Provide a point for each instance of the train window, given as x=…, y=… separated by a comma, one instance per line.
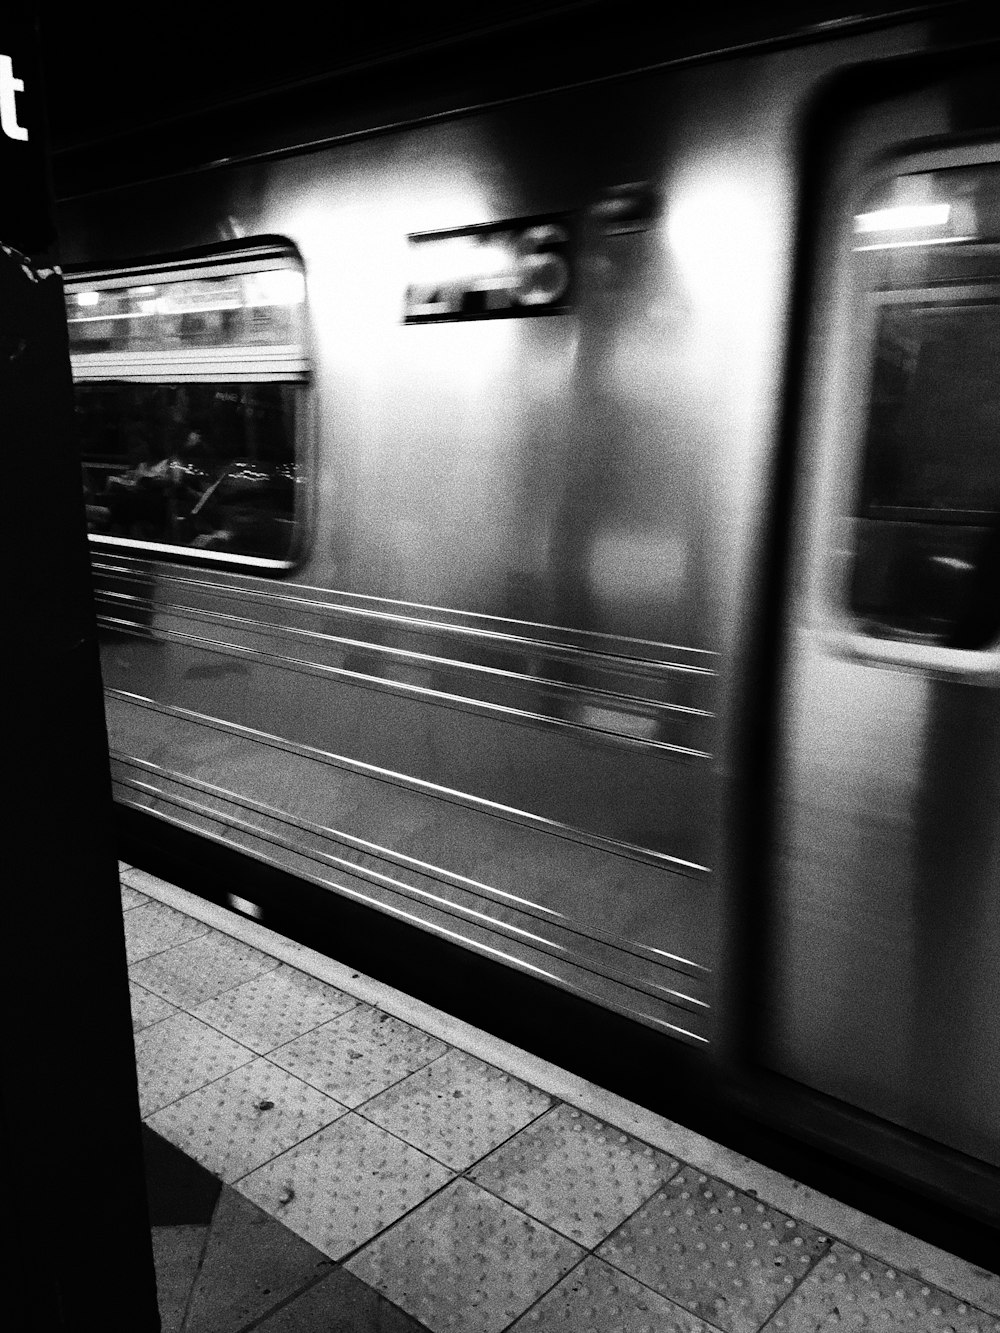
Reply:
x=188, y=382
x=927, y=519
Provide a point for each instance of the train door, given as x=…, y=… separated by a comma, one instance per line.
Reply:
x=886, y=964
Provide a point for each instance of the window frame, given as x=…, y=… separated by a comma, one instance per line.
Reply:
x=842, y=428
x=251, y=364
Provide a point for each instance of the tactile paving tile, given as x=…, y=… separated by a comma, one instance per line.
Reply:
x=188, y=974
x=851, y=1293
x=154, y=927
x=716, y=1251
x=272, y=1009
x=576, y=1174
x=132, y=898
x=245, y=1118
x=147, y=1009
x=344, y=1185
x=359, y=1054
x=180, y=1054
x=596, y=1296
x=457, y=1108
x=465, y=1261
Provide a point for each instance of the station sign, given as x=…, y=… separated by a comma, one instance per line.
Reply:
x=25, y=205
x=500, y=270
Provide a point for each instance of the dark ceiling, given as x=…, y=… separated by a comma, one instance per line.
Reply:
x=106, y=74
x=175, y=85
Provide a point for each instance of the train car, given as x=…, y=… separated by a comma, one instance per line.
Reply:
x=570, y=525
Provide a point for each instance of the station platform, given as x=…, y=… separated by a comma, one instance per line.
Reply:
x=328, y=1155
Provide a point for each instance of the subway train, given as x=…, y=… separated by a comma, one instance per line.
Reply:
x=566, y=526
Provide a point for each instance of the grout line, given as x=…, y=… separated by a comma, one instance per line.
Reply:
x=526, y=1314
x=327, y=1023
x=588, y=1250
x=796, y=1288
x=145, y=1115
x=315, y=1086
x=344, y=1111
x=352, y=1254
x=238, y=1180
x=206, y=999
x=258, y=1321
x=201, y=1264
x=271, y=1050
x=153, y=996
x=961, y=1279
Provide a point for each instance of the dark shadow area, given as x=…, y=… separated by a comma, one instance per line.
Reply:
x=181, y=1193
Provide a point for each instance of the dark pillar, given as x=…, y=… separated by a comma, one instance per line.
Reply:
x=79, y=1253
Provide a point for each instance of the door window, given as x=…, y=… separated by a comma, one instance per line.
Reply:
x=927, y=515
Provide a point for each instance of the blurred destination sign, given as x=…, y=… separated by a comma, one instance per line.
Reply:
x=500, y=270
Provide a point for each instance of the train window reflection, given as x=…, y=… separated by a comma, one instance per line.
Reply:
x=188, y=384
x=209, y=467
x=927, y=518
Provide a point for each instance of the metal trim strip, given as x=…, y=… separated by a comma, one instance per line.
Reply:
x=612, y=846
x=278, y=629
x=442, y=698
x=512, y=960
x=561, y=638
x=684, y=966
x=478, y=920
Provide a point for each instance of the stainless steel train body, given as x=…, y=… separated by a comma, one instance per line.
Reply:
x=563, y=383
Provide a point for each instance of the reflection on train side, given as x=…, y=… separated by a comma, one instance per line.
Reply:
x=207, y=466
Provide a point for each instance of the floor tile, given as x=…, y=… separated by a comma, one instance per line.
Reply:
x=457, y=1109
x=274, y=1008
x=344, y=1185
x=596, y=1296
x=132, y=898
x=176, y=1255
x=251, y=1265
x=465, y=1261
x=191, y=973
x=847, y=1291
x=358, y=1055
x=154, y=927
x=180, y=1054
x=574, y=1173
x=340, y=1303
x=147, y=1009
x=716, y=1251
x=242, y=1120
